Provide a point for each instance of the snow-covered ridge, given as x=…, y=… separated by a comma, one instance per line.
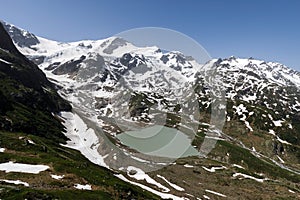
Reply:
x=275, y=73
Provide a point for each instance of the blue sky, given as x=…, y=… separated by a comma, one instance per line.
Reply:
x=262, y=29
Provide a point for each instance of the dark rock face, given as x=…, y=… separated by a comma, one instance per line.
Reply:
x=164, y=58
x=101, y=102
x=23, y=38
x=95, y=64
x=71, y=67
x=6, y=42
x=127, y=62
x=181, y=61
x=28, y=99
x=52, y=66
x=37, y=59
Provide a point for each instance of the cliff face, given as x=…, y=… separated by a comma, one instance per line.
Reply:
x=27, y=98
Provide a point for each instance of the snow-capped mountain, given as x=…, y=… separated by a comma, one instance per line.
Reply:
x=121, y=87
x=91, y=68
x=93, y=74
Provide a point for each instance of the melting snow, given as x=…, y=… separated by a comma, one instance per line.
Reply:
x=188, y=166
x=4, y=61
x=57, y=177
x=249, y=98
x=213, y=169
x=278, y=138
x=83, y=187
x=281, y=160
x=248, y=126
x=30, y=142
x=238, y=166
x=242, y=110
x=278, y=123
x=82, y=138
x=216, y=193
x=291, y=191
x=162, y=195
x=141, y=175
x=140, y=160
x=249, y=177
x=176, y=187
x=22, y=168
x=272, y=132
x=283, y=141
x=17, y=182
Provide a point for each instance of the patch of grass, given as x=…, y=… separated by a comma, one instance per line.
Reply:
x=27, y=193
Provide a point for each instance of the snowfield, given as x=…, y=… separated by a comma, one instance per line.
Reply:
x=22, y=168
x=57, y=177
x=83, y=187
x=82, y=138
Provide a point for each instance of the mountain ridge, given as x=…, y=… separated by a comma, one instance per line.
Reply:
x=120, y=87
x=25, y=87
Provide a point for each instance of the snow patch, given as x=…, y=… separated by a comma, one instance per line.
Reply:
x=283, y=141
x=213, y=169
x=242, y=110
x=280, y=159
x=272, y=132
x=83, y=187
x=4, y=61
x=57, y=177
x=249, y=177
x=216, y=193
x=22, y=168
x=278, y=123
x=30, y=142
x=206, y=197
x=188, y=166
x=176, y=187
x=162, y=195
x=16, y=182
x=291, y=191
x=238, y=166
x=2, y=150
x=141, y=175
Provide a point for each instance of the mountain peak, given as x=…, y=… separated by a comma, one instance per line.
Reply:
x=22, y=37
x=6, y=42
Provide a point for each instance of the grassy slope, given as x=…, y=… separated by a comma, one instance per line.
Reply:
x=62, y=161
